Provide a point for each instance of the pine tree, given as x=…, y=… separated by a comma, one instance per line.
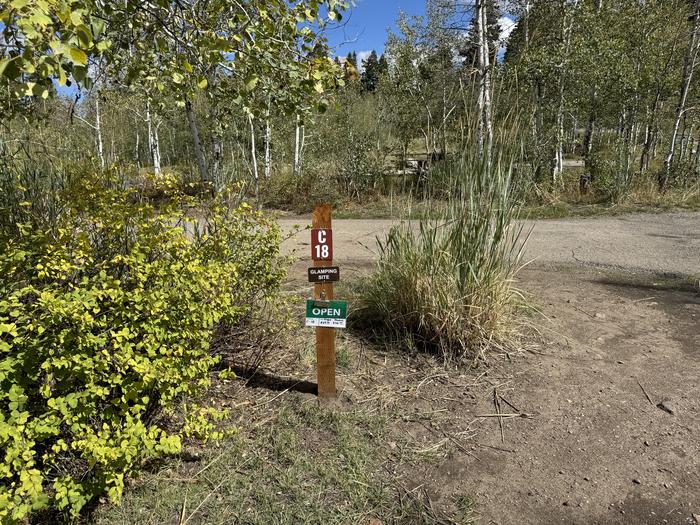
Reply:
x=371, y=72
x=383, y=66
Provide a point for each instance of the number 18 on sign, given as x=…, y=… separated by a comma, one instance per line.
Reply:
x=321, y=244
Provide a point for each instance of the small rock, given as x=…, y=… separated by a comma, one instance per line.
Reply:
x=586, y=479
x=636, y=481
x=375, y=521
x=620, y=362
x=598, y=315
x=667, y=406
x=646, y=444
x=566, y=503
x=696, y=517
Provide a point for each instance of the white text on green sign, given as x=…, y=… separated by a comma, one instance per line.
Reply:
x=328, y=314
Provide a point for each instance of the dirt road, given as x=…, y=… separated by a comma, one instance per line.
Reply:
x=611, y=379
x=664, y=244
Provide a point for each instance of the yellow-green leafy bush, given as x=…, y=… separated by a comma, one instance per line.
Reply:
x=105, y=326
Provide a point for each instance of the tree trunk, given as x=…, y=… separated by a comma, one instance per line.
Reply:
x=566, y=28
x=98, y=133
x=298, y=147
x=697, y=158
x=137, y=152
x=172, y=146
x=588, y=140
x=649, y=135
x=485, y=124
x=153, y=141
x=689, y=64
x=217, y=149
x=196, y=142
x=526, y=23
x=627, y=124
x=254, y=155
x=268, y=150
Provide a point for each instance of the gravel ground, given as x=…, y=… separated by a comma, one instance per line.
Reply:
x=663, y=244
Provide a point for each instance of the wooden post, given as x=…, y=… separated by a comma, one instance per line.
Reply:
x=325, y=337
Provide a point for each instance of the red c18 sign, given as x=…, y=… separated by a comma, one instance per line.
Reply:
x=322, y=244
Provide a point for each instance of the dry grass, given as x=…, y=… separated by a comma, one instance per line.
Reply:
x=295, y=461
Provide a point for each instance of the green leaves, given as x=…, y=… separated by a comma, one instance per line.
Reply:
x=78, y=56
x=251, y=82
x=271, y=44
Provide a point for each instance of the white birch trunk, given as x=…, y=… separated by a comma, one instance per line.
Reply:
x=689, y=64
x=268, y=149
x=567, y=26
x=253, y=154
x=153, y=142
x=485, y=124
x=297, y=149
x=98, y=133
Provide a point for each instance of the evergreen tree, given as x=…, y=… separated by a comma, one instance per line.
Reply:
x=383, y=66
x=371, y=72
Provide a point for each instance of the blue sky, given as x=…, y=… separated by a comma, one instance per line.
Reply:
x=365, y=26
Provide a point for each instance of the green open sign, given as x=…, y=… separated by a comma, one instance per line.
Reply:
x=329, y=314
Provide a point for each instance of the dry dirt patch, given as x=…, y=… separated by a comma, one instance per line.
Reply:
x=614, y=349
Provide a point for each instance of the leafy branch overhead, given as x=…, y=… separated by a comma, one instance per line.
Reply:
x=175, y=47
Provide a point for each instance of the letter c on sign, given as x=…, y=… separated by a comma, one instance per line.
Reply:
x=322, y=237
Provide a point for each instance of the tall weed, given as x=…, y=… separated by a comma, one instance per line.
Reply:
x=444, y=283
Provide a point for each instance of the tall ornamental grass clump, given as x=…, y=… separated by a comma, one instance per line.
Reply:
x=445, y=283
x=106, y=319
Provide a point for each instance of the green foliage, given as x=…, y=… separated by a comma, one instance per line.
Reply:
x=48, y=40
x=170, y=47
x=299, y=194
x=359, y=171
x=106, y=320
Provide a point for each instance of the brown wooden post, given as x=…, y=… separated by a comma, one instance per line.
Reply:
x=325, y=337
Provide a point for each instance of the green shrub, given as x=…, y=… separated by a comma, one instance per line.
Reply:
x=299, y=194
x=444, y=283
x=105, y=327
x=359, y=171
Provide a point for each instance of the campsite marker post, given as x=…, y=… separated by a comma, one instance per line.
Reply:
x=322, y=312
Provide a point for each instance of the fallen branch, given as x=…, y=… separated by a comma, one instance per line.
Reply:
x=645, y=392
x=506, y=416
x=497, y=403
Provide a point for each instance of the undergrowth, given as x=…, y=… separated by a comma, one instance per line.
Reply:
x=107, y=313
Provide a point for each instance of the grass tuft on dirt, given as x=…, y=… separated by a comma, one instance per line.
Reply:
x=446, y=286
